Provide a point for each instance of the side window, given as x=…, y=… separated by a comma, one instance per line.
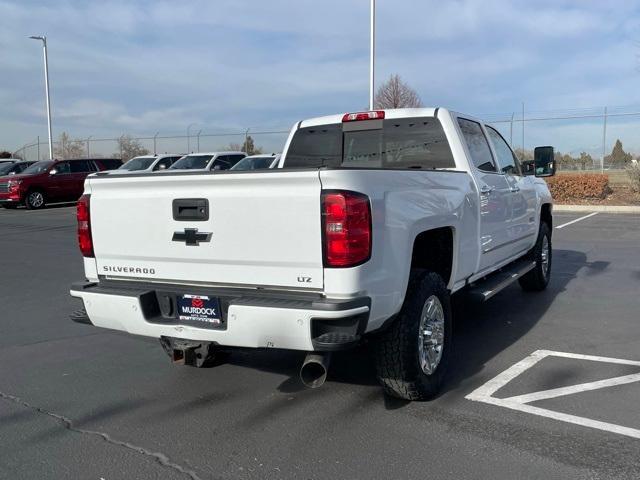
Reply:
x=506, y=158
x=109, y=164
x=81, y=166
x=233, y=159
x=477, y=144
x=221, y=161
x=63, y=167
x=164, y=163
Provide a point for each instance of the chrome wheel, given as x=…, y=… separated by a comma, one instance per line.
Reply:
x=544, y=256
x=431, y=335
x=36, y=199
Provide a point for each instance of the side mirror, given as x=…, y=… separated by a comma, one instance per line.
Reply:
x=12, y=173
x=528, y=167
x=544, y=162
x=162, y=166
x=53, y=171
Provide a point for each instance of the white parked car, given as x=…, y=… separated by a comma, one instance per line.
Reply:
x=208, y=161
x=257, y=162
x=368, y=225
x=148, y=163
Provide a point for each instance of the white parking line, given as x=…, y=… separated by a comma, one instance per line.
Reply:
x=583, y=387
x=520, y=403
x=576, y=220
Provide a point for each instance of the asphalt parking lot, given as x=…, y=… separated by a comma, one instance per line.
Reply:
x=79, y=402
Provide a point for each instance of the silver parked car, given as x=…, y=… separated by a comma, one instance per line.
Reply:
x=148, y=163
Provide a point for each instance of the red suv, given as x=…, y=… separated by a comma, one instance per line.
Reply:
x=51, y=181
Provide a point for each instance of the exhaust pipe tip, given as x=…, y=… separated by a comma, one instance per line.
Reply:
x=315, y=367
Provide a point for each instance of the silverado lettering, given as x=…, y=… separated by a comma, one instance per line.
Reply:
x=144, y=271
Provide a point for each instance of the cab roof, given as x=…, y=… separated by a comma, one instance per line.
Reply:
x=388, y=114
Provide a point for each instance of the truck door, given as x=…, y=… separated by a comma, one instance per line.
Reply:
x=495, y=195
x=523, y=227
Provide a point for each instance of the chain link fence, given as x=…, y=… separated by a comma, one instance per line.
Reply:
x=584, y=138
x=267, y=141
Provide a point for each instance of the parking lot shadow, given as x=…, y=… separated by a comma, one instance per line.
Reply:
x=481, y=331
x=352, y=366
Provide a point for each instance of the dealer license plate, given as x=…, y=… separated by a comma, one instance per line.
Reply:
x=199, y=310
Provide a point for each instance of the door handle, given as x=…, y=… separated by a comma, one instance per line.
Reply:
x=486, y=190
x=515, y=189
x=190, y=209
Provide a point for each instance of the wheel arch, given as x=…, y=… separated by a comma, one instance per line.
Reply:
x=434, y=250
x=35, y=188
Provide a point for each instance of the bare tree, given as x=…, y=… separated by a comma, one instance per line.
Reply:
x=66, y=147
x=248, y=146
x=129, y=147
x=394, y=93
x=233, y=147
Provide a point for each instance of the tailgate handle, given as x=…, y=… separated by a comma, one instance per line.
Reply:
x=190, y=209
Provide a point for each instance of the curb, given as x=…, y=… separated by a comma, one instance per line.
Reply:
x=597, y=208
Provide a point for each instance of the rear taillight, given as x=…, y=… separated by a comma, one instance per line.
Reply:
x=360, y=116
x=346, y=226
x=84, y=226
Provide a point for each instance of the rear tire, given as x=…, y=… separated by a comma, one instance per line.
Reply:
x=34, y=200
x=412, y=355
x=538, y=278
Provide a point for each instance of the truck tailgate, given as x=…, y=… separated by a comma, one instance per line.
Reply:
x=264, y=228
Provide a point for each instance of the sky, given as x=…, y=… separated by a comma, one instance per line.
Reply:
x=142, y=67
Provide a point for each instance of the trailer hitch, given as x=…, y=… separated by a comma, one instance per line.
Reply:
x=190, y=352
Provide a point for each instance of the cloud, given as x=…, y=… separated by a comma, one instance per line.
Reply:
x=146, y=66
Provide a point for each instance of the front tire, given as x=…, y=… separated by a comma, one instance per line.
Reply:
x=34, y=200
x=537, y=279
x=412, y=355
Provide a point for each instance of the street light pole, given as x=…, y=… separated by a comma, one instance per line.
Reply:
x=372, y=60
x=46, y=87
x=604, y=141
x=522, y=130
x=189, y=138
x=199, y=132
x=511, y=131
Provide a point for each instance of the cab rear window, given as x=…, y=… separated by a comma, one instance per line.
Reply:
x=408, y=143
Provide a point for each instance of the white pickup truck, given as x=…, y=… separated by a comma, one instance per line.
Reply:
x=368, y=225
